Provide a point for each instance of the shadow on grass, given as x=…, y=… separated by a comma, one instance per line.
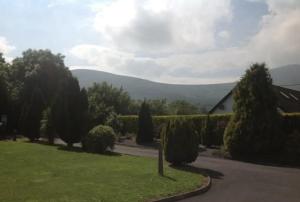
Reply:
x=169, y=178
x=80, y=150
x=203, y=171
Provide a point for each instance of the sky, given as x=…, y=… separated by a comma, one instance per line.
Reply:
x=170, y=41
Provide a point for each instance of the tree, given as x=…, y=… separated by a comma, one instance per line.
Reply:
x=180, y=142
x=254, y=126
x=35, y=69
x=31, y=115
x=70, y=109
x=181, y=107
x=105, y=99
x=4, y=94
x=145, y=125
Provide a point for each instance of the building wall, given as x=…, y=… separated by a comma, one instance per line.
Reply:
x=225, y=107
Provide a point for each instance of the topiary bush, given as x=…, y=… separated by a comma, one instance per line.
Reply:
x=180, y=142
x=99, y=139
x=254, y=128
x=145, y=125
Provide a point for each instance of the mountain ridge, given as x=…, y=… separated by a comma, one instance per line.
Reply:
x=204, y=95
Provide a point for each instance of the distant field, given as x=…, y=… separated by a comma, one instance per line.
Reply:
x=34, y=172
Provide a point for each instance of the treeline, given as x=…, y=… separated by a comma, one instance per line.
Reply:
x=39, y=94
x=40, y=97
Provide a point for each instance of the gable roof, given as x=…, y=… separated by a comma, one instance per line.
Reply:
x=288, y=99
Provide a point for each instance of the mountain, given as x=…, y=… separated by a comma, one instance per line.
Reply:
x=202, y=95
x=287, y=76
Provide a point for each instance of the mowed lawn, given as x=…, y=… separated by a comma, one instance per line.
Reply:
x=35, y=172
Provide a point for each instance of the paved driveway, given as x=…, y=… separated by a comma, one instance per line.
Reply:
x=238, y=181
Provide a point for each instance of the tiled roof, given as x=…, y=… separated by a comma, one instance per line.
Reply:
x=288, y=99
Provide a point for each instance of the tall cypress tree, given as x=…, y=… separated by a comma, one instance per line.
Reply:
x=32, y=114
x=145, y=127
x=254, y=127
x=70, y=110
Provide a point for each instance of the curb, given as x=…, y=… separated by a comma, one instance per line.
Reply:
x=204, y=188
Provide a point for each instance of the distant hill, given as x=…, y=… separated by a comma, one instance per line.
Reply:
x=201, y=95
x=287, y=76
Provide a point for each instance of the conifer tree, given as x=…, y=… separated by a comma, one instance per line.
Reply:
x=254, y=126
x=145, y=127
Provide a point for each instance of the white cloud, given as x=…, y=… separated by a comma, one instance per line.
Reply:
x=55, y=3
x=224, y=34
x=161, y=25
x=6, y=48
x=181, y=34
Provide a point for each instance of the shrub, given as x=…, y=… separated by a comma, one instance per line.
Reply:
x=292, y=147
x=99, y=139
x=254, y=126
x=180, y=142
x=114, y=122
x=145, y=125
x=218, y=124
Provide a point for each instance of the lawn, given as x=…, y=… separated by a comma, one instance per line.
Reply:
x=35, y=172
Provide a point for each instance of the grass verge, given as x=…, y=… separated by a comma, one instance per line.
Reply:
x=35, y=172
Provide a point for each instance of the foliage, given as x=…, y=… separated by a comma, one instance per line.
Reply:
x=34, y=75
x=254, y=126
x=217, y=125
x=70, y=111
x=145, y=125
x=31, y=115
x=47, y=126
x=180, y=142
x=181, y=107
x=114, y=122
x=292, y=147
x=104, y=99
x=99, y=139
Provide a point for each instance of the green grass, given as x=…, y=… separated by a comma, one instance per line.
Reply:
x=35, y=172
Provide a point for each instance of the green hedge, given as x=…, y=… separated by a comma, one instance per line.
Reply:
x=208, y=136
x=210, y=130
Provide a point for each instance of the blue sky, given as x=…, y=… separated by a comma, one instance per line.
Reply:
x=173, y=41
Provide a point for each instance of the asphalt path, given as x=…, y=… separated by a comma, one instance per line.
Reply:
x=235, y=181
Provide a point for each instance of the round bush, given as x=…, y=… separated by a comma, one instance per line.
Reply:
x=180, y=142
x=99, y=139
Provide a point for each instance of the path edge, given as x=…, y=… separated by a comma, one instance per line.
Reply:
x=204, y=188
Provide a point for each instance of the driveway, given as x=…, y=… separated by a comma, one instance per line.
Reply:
x=239, y=181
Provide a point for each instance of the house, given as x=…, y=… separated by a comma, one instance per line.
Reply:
x=288, y=101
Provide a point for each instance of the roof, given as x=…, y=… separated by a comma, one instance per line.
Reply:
x=288, y=99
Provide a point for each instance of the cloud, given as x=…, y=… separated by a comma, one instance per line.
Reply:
x=175, y=40
x=55, y=3
x=224, y=34
x=161, y=25
x=6, y=48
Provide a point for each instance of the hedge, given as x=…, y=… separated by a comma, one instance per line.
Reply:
x=211, y=136
x=210, y=129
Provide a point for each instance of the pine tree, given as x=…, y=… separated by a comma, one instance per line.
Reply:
x=145, y=129
x=31, y=115
x=254, y=127
x=70, y=112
